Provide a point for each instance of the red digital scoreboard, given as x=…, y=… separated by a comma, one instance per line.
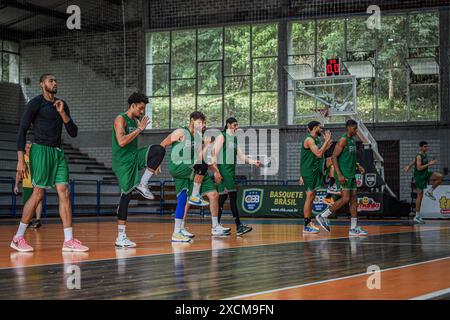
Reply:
x=333, y=67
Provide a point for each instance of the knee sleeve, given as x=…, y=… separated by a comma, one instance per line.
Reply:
x=122, y=210
x=181, y=204
x=201, y=169
x=155, y=156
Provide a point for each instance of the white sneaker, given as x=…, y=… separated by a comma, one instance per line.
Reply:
x=197, y=200
x=124, y=242
x=225, y=228
x=418, y=220
x=145, y=192
x=186, y=233
x=219, y=231
x=179, y=237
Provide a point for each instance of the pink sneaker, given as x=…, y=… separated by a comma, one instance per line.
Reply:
x=74, y=245
x=21, y=245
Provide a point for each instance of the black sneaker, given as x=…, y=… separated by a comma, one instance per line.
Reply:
x=243, y=229
x=37, y=224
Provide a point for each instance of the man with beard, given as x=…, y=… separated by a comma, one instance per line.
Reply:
x=312, y=153
x=48, y=164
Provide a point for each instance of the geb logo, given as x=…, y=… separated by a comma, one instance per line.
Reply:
x=318, y=205
x=252, y=200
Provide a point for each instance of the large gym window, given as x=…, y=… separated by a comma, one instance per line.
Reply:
x=396, y=67
x=9, y=61
x=225, y=71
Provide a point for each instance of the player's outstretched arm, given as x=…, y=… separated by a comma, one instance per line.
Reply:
x=409, y=166
x=247, y=160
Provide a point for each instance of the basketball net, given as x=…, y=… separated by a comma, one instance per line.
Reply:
x=322, y=114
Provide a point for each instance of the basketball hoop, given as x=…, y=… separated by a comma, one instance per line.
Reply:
x=322, y=114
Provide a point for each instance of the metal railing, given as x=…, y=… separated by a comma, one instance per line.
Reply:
x=76, y=187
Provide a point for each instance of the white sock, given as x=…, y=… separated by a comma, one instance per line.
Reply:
x=326, y=213
x=353, y=223
x=68, y=234
x=146, y=177
x=182, y=224
x=122, y=229
x=196, y=189
x=215, y=221
x=178, y=224
x=417, y=214
x=22, y=228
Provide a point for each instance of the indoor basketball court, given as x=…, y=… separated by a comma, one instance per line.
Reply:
x=204, y=150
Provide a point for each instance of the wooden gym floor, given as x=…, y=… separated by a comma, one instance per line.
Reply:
x=274, y=261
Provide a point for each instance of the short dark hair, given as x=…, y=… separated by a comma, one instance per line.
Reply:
x=351, y=123
x=137, y=97
x=197, y=115
x=45, y=76
x=423, y=143
x=230, y=120
x=313, y=124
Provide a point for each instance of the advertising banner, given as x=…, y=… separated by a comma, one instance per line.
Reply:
x=288, y=201
x=439, y=208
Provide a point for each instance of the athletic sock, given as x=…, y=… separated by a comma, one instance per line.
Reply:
x=307, y=221
x=353, y=223
x=238, y=222
x=178, y=224
x=146, y=177
x=418, y=215
x=122, y=230
x=182, y=224
x=196, y=189
x=215, y=221
x=68, y=234
x=326, y=213
x=21, y=230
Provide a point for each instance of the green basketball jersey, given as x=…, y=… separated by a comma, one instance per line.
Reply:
x=228, y=155
x=118, y=152
x=310, y=164
x=182, y=152
x=424, y=173
x=347, y=158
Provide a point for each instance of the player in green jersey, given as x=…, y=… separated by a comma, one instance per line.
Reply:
x=345, y=165
x=225, y=154
x=128, y=160
x=185, y=163
x=422, y=177
x=311, y=169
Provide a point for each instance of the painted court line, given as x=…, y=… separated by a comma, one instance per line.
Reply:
x=205, y=250
x=432, y=295
x=331, y=280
